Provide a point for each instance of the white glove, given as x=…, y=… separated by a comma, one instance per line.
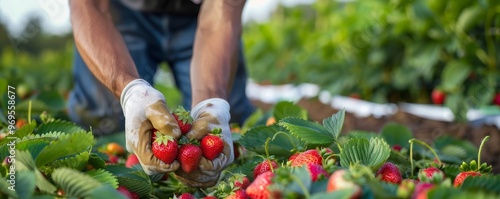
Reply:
x=207, y=115
x=145, y=109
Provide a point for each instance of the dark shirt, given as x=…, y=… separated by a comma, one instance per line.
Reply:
x=182, y=7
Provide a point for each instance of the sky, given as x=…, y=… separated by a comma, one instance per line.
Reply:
x=55, y=13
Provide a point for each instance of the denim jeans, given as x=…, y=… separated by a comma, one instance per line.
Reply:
x=151, y=38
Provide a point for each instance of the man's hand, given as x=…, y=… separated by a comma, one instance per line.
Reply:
x=209, y=114
x=145, y=109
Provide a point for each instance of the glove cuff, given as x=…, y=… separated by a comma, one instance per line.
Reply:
x=129, y=88
x=218, y=104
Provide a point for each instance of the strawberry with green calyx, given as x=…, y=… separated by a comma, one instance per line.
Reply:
x=185, y=196
x=264, y=166
x=311, y=156
x=437, y=160
x=239, y=180
x=189, y=156
x=212, y=144
x=390, y=173
x=473, y=168
x=259, y=187
x=422, y=189
x=316, y=172
x=183, y=118
x=164, y=147
x=431, y=174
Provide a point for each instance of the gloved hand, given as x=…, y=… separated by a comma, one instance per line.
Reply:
x=207, y=115
x=144, y=109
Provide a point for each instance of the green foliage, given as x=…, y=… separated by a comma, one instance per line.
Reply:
x=75, y=183
x=384, y=51
x=397, y=134
x=284, y=109
x=371, y=152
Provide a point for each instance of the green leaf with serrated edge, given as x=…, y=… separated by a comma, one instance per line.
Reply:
x=255, y=140
x=76, y=162
x=490, y=183
x=359, y=133
x=285, y=109
x=96, y=161
x=104, y=177
x=7, y=189
x=335, y=123
x=50, y=136
x=74, y=183
x=24, y=161
x=246, y=167
x=25, y=130
x=25, y=183
x=372, y=153
x=313, y=134
x=454, y=74
x=106, y=191
x=70, y=145
x=33, y=146
x=338, y=194
x=59, y=126
x=397, y=134
x=135, y=180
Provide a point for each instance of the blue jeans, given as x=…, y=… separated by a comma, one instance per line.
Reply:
x=151, y=38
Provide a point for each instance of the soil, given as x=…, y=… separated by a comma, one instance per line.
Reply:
x=423, y=129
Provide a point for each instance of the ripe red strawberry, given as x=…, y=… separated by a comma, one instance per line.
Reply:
x=129, y=194
x=210, y=197
x=242, y=183
x=292, y=157
x=311, y=156
x=389, y=173
x=397, y=147
x=131, y=161
x=430, y=172
x=438, y=96
x=238, y=194
x=316, y=171
x=189, y=157
x=184, y=119
x=337, y=181
x=165, y=148
x=212, y=145
x=258, y=188
x=496, y=99
x=459, y=179
x=186, y=196
x=263, y=167
x=113, y=159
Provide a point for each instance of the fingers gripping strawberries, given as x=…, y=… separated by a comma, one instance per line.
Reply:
x=145, y=109
x=209, y=115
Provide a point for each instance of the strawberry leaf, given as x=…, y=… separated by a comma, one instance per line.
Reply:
x=67, y=145
x=59, y=125
x=76, y=162
x=334, y=123
x=372, y=153
x=96, y=161
x=285, y=109
x=33, y=146
x=255, y=140
x=24, y=161
x=106, y=191
x=397, y=134
x=26, y=130
x=75, y=183
x=4, y=189
x=104, y=177
x=135, y=180
x=313, y=134
x=25, y=183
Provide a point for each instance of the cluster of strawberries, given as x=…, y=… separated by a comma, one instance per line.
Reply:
x=187, y=152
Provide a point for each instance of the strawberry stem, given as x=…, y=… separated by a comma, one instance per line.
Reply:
x=29, y=112
x=266, y=148
x=411, y=157
x=287, y=136
x=481, y=149
x=428, y=147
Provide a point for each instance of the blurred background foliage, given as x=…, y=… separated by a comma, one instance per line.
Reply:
x=381, y=50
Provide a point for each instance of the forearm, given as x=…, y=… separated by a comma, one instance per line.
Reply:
x=215, y=49
x=101, y=45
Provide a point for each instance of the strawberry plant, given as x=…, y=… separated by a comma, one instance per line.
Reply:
x=291, y=158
